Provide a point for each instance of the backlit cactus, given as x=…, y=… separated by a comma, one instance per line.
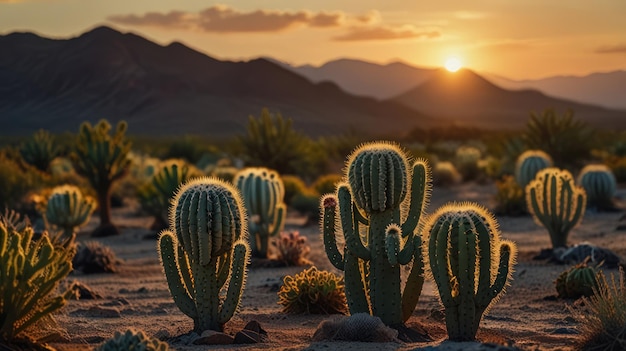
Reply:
x=205, y=253
x=556, y=203
x=528, y=164
x=580, y=280
x=470, y=264
x=600, y=185
x=313, y=291
x=68, y=209
x=132, y=340
x=374, y=206
x=39, y=150
x=263, y=193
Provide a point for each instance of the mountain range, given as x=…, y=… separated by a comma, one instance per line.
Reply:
x=174, y=90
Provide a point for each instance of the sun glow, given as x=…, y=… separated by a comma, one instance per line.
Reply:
x=453, y=64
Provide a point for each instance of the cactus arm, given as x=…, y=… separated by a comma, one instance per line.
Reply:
x=397, y=251
x=223, y=268
x=438, y=245
x=466, y=271
x=329, y=210
x=279, y=220
x=353, y=239
x=419, y=197
x=241, y=255
x=504, y=272
x=359, y=216
x=484, y=260
x=414, y=282
x=181, y=295
x=184, y=269
x=356, y=284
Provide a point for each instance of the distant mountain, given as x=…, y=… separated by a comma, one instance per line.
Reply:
x=466, y=98
x=367, y=79
x=168, y=90
x=604, y=89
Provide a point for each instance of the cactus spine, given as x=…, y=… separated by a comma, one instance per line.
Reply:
x=469, y=263
x=556, y=203
x=67, y=209
x=374, y=207
x=263, y=192
x=528, y=164
x=205, y=253
x=40, y=150
x=600, y=185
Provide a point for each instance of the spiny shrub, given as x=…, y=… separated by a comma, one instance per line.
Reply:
x=40, y=150
x=94, y=257
x=132, y=340
x=68, y=209
x=314, y=292
x=466, y=160
x=294, y=185
x=326, y=184
x=16, y=181
x=292, y=249
x=445, y=174
x=580, y=280
x=510, y=197
x=528, y=164
x=599, y=184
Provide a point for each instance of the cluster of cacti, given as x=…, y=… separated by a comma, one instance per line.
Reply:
x=132, y=340
x=528, y=164
x=580, y=280
x=382, y=203
x=292, y=249
x=206, y=251
x=68, y=209
x=94, y=257
x=313, y=291
x=466, y=159
x=263, y=193
x=102, y=159
x=556, y=203
x=446, y=174
x=600, y=185
x=30, y=272
x=40, y=150
x=470, y=264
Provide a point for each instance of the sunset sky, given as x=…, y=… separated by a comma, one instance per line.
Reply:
x=516, y=39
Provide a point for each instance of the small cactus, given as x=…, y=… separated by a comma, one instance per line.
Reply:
x=292, y=249
x=68, y=209
x=40, y=150
x=133, y=340
x=556, y=203
x=580, y=280
x=470, y=264
x=528, y=164
x=314, y=292
x=600, y=185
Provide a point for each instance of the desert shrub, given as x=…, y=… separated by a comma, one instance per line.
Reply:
x=314, y=292
x=188, y=148
x=489, y=167
x=17, y=180
x=94, y=257
x=445, y=174
x=292, y=249
x=599, y=182
x=466, y=160
x=307, y=203
x=618, y=166
x=140, y=171
x=39, y=150
x=132, y=340
x=580, y=280
x=326, y=184
x=510, y=199
x=225, y=173
x=294, y=185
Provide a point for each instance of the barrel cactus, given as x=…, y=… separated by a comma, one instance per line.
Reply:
x=313, y=292
x=556, y=203
x=382, y=203
x=68, y=209
x=263, y=193
x=528, y=164
x=580, y=280
x=205, y=253
x=132, y=340
x=470, y=264
x=600, y=185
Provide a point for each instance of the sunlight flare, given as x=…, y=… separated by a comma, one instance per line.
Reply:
x=453, y=64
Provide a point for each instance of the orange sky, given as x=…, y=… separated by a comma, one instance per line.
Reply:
x=516, y=39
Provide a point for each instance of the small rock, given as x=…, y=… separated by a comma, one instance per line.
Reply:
x=247, y=337
x=212, y=337
x=84, y=292
x=120, y=301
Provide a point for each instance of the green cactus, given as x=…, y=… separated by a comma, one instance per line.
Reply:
x=102, y=159
x=374, y=207
x=40, y=150
x=528, y=164
x=132, y=340
x=314, y=292
x=470, y=264
x=263, y=193
x=205, y=254
x=580, y=280
x=600, y=185
x=68, y=209
x=556, y=203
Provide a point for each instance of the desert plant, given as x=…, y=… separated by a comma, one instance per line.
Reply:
x=293, y=185
x=102, y=159
x=470, y=264
x=225, y=173
x=30, y=271
x=580, y=280
x=325, y=184
x=466, y=159
x=206, y=251
x=385, y=198
x=94, y=257
x=307, y=203
x=39, y=150
x=16, y=181
x=510, y=197
x=556, y=203
x=528, y=164
x=67, y=209
x=445, y=174
x=617, y=164
x=132, y=340
x=313, y=291
x=292, y=249
x=263, y=192
x=600, y=185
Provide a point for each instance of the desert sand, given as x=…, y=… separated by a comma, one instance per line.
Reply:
x=528, y=316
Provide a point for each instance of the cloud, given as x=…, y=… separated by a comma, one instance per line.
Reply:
x=381, y=32
x=611, y=49
x=470, y=15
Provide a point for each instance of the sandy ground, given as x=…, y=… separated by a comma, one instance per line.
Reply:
x=137, y=296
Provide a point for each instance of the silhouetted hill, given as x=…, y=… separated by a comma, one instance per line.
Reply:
x=469, y=99
x=168, y=90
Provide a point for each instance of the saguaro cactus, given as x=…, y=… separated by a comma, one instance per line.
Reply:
x=67, y=208
x=556, y=203
x=528, y=164
x=263, y=192
x=600, y=185
x=102, y=159
x=469, y=263
x=374, y=207
x=206, y=252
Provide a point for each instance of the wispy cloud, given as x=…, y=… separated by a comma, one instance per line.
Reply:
x=611, y=49
x=382, y=32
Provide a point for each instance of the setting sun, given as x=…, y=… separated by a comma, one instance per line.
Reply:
x=453, y=64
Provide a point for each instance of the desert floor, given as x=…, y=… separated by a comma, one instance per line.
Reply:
x=528, y=315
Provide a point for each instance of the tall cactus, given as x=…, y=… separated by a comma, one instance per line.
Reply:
x=67, y=209
x=374, y=206
x=556, y=203
x=205, y=254
x=600, y=185
x=469, y=263
x=263, y=192
x=102, y=159
x=528, y=164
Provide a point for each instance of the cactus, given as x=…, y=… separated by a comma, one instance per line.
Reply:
x=556, y=203
x=313, y=291
x=466, y=160
x=580, y=280
x=132, y=340
x=600, y=185
x=374, y=206
x=102, y=159
x=40, y=150
x=68, y=209
x=205, y=254
x=528, y=164
x=292, y=249
x=263, y=193
x=470, y=264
